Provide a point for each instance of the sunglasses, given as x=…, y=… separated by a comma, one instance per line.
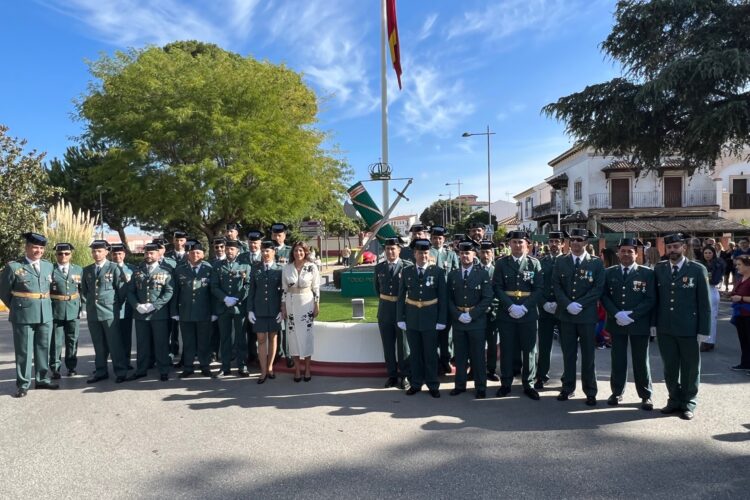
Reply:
x=579, y=240
x=218, y=246
x=63, y=253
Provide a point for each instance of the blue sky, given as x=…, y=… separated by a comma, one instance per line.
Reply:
x=466, y=64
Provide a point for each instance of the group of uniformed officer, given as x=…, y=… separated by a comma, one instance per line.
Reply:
x=426, y=288
x=238, y=294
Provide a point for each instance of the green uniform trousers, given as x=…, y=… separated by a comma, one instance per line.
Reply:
x=126, y=332
x=444, y=344
x=682, y=369
x=152, y=334
x=196, y=339
x=641, y=366
x=491, y=338
x=395, y=349
x=517, y=339
x=571, y=334
x=233, y=341
x=546, y=338
x=64, y=333
x=28, y=339
x=423, y=358
x=469, y=344
x=105, y=335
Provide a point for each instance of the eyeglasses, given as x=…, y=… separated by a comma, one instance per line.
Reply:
x=579, y=240
x=218, y=246
x=63, y=253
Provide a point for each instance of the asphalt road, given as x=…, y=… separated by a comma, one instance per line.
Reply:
x=339, y=438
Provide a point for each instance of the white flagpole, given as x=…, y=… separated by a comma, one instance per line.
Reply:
x=384, y=100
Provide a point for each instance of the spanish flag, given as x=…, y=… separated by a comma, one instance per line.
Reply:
x=393, y=38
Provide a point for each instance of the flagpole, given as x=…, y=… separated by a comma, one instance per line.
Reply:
x=383, y=101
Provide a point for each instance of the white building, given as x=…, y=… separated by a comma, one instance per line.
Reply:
x=402, y=223
x=526, y=201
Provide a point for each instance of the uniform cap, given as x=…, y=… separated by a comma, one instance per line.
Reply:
x=35, y=239
x=117, y=247
x=96, y=244
x=421, y=244
x=232, y=243
x=268, y=244
x=254, y=235
x=674, y=238
x=278, y=227
x=437, y=231
x=63, y=247
x=629, y=242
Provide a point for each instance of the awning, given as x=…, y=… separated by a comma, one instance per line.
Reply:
x=559, y=181
x=576, y=216
x=669, y=225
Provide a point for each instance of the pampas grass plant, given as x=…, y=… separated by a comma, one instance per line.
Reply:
x=63, y=225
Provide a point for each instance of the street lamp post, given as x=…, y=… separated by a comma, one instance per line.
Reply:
x=489, y=192
x=101, y=212
x=459, y=195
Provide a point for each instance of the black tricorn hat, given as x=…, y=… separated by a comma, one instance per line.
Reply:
x=580, y=232
x=674, y=238
x=467, y=246
x=518, y=235
x=35, y=239
x=421, y=244
x=99, y=244
x=557, y=235
x=62, y=247
x=629, y=242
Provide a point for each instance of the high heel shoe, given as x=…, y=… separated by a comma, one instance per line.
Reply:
x=271, y=375
x=297, y=379
x=307, y=379
x=262, y=379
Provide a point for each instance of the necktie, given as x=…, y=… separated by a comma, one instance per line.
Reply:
x=98, y=270
x=625, y=272
x=195, y=270
x=577, y=263
x=466, y=274
x=391, y=267
x=675, y=269
x=35, y=265
x=421, y=273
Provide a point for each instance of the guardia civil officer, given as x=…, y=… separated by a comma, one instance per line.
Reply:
x=469, y=297
x=629, y=298
x=149, y=291
x=24, y=288
x=219, y=256
x=251, y=257
x=173, y=341
x=683, y=313
x=191, y=306
x=422, y=311
x=578, y=282
x=162, y=257
x=178, y=253
x=278, y=235
x=264, y=307
x=233, y=233
x=65, y=292
x=491, y=332
x=517, y=283
x=230, y=281
x=447, y=261
x=117, y=252
x=418, y=232
x=387, y=280
x=548, y=320
x=103, y=291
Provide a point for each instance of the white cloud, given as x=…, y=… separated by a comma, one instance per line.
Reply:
x=427, y=26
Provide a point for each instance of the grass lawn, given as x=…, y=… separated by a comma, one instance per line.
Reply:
x=334, y=307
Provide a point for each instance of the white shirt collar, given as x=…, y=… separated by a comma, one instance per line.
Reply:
x=679, y=264
x=32, y=261
x=464, y=269
x=582, y=257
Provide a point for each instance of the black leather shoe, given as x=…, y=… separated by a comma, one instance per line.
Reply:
x=208, y=373
x=184, y=374
x=538, y=385
x=647, y=404
x=391, y=382
x=56, y=376
x=412, y=391
x=445, y=369
x=435, y=393
x=97, y=378
x=614, y=400
x=456, y=391
x=120, y=379
x=403, y=384
x=564, y=395
x=687, y=415
x=226, y=373
x=135, y=376
x=177, y=365
x=21, y=393
x=590, y=401
x=493, y=376
x=262, y=379
x=72, y=373
x=502, y=392
x=243, y=373
x=289, y=363
x=46, y=385
x=668, y=410
x=164, y=377
x=531, y=393
x=480, y=394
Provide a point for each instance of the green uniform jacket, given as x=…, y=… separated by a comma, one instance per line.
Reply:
x=265, y=290
x=444, y=259
x=250, y=258
x=178, y=260
x=19, y=276
x=168, y=262
x=66, y=310
x=584, y=286
x=431, y=286
x=387, y=284
x=492, y=310
x=244, y=247
x=283, y=253
x=230, y=280
x=548, y=290
x=635, y=293
x=192, y=299
x=103, y=295
x=525, y=277
x=684, y=308
x=126, y=311
x=151, y=288
x=407, y=254
x=474, y=292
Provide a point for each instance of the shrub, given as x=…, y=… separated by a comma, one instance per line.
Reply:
x=63, y=225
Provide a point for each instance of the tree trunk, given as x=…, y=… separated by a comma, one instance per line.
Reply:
x=123, y=237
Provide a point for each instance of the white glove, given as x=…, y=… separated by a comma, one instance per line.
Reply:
x=623, y=318
x=574, y=308
x=229, y=301
x=439, y=327
x=176, y=317
x=141, y=308
x=516, y=311
x=214, y=318
x=401, y=324
x=465, y=318
x=150, y=308
x=653, y=331
x=251, y=317
x=550, y=307
x=279, y=318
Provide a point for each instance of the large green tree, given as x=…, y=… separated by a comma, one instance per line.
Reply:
x=210, y=136
x=24, y=192
x=441, y=212
x=685, y=88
